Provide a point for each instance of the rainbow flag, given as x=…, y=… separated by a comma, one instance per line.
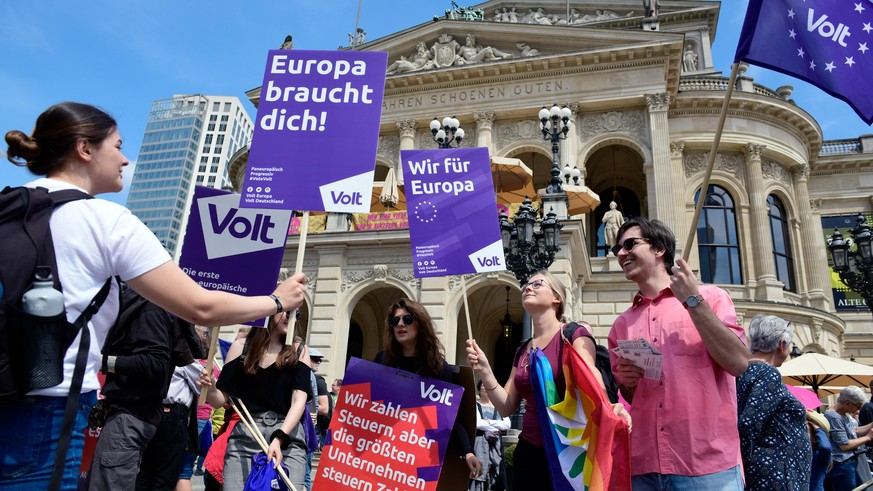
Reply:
x=588, y=447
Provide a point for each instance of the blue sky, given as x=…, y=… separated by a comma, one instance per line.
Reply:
x=122, y=55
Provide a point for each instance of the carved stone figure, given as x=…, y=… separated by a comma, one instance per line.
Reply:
x=512, y=16
x=613, y=220
x=540, y=17
x=471, y=53
x=357, y=38
x=651, y=8
x=287, y=44
x=689, y=59
x=526, y=50
x=421, y=60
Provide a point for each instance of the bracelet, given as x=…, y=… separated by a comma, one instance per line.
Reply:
x=284, y=439
x=279, y=308
x=492, y=388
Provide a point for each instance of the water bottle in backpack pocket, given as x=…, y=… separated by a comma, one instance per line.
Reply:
x=39, y=335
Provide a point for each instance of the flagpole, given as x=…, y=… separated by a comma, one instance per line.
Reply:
x=466, y=308
x=210, y=358
x=298, y=268
x=710, y=162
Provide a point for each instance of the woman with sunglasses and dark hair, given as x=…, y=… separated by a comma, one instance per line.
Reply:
x=410, y=343
x=268, y=377
x=543, y=298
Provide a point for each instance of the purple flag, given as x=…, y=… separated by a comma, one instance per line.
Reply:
x=453, y=222
x=824, y=42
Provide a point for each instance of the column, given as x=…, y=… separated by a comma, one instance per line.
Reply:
x=768, y=288
x=677, y=166
x=705, y=43
x=406, y=128
x=484, y=124
x=664, y=202
x=812, y=240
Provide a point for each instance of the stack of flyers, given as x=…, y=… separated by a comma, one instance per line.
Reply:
x=642, y=354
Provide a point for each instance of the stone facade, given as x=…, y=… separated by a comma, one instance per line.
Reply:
x=643, y=122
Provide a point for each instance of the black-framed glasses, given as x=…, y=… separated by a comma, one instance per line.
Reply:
x=534, y=285
x=407, y=320
x=627, y=244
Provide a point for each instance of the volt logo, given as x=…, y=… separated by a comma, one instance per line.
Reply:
x=349, y=195
x=229, y=230
x=489, y=258
x=356, y=199
x=241, y=227
x=827, y=29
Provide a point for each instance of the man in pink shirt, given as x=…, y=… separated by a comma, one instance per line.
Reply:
x=685, y=423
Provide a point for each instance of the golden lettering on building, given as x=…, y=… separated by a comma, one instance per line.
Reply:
x=464, y=96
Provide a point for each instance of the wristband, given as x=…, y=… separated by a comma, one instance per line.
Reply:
x=279, y=308
x=489, y=389
x=284, y=439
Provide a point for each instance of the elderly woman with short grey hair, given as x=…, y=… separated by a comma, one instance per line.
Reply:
x=772, y=423
x=847, y=438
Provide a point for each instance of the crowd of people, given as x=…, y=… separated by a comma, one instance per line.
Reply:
x=717, y=417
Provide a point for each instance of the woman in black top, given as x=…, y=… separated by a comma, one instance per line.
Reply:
x=410, y=343
x=265, y=374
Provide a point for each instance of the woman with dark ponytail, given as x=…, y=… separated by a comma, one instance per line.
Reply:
x=78, y=146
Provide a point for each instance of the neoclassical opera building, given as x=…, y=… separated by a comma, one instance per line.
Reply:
x=645, y=100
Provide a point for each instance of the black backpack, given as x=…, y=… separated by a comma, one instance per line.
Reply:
x=30, y=346
x=601, y=361
x=324, y=421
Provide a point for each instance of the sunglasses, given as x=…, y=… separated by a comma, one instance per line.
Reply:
x=407, y=320
x=535, y=284
x=628, y=244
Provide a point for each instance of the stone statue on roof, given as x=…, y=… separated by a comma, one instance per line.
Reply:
x=287, y=44
x=651, y=8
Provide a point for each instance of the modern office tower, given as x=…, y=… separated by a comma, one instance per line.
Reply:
x=188, y=141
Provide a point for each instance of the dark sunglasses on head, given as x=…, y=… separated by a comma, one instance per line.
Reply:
x=628, y=244
x=407, y=320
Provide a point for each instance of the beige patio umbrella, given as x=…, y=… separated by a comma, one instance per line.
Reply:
x=513, y=180
x=815, y=371
x=580, y=199
x=388, y=194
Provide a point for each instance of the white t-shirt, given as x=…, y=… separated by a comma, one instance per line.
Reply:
x=95, y=239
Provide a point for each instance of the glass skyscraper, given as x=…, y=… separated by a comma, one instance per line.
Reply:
x=188, y=141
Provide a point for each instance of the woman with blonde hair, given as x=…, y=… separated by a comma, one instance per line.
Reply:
x=543, y=297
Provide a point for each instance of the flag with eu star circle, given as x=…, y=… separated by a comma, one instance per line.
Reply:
x=827, y=43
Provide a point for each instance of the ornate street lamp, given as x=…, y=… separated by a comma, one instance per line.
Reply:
x=855, y=267
x=571, y=173
x=529, y=244
x=449, y=131
x=506, y=324
x=555, y=125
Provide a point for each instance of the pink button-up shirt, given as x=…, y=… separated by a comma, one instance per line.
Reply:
x=686, y=422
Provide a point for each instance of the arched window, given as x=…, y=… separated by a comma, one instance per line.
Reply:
x=782, y=257
x=717, y=238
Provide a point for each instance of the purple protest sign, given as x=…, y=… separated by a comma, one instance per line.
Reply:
x=453, y=222
x=390, y=429
x=316, y=132
x=232, y=249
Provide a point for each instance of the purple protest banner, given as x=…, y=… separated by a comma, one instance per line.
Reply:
x=390, y=430
x=316, y=132
x=453, y=222
x=232, y=249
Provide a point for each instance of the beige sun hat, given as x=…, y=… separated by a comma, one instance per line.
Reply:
x=818, y=420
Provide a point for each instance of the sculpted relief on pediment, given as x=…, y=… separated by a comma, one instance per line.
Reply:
x=539, y=16
x=447, y=52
